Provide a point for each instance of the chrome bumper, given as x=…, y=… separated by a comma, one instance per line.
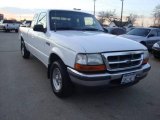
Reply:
x=105, y=78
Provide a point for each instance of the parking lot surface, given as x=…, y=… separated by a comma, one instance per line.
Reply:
x=26, y=94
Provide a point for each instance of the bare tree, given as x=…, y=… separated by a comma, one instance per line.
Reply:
x=156, y=15
x=132, y=18
x=107, y=16
x=101, y=17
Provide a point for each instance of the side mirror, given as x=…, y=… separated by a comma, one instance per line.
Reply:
x=39, y=28
x=151, y=35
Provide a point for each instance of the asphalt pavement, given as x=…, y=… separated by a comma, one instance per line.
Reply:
x=26, y=94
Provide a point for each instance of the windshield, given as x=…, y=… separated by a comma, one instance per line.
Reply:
x=70, y=20
x=139, y=32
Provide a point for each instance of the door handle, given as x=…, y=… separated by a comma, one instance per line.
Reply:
x=47, y=43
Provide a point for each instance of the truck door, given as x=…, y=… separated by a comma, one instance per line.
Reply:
x=40, y=38
x=30, y=38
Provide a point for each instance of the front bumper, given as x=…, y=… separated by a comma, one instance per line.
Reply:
x=106, y=78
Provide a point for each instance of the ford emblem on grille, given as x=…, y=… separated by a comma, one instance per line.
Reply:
x=128, y=61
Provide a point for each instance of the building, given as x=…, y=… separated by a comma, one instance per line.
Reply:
x=1, y=16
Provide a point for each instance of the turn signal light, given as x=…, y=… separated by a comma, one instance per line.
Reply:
x=90, y=68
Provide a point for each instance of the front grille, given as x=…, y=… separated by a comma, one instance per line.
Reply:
x=123, y=60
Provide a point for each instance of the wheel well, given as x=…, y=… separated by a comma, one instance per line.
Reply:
x=53, y=57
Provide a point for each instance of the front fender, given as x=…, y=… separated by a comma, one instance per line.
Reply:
x=66, y=55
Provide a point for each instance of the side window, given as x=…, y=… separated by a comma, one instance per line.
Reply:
x=34, y=21
x=42, y=20
x=154, y=32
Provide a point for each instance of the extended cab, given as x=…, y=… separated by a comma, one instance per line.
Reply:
x=75, y=49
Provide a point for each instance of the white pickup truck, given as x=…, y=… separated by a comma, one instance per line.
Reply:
x=8, y=25
x=75, y=49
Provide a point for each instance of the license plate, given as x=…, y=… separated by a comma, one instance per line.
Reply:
x=127, y=78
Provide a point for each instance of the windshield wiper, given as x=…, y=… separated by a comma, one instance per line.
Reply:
x=83, y=29
x=66, y=28
x=91, y=29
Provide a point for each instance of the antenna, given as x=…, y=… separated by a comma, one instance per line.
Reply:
x=94, y=7
x=55, y=26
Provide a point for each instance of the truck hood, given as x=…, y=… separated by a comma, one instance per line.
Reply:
x=133, y=37
x=94, y=42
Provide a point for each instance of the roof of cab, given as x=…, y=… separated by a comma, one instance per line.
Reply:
x=48, y=10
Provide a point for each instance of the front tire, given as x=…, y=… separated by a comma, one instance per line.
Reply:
x=60, y=80
x=25, y=53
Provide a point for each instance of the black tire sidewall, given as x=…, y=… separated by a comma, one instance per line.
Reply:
x=55, y=65
x=67, y=86
x=26, y=54
x=22, y=46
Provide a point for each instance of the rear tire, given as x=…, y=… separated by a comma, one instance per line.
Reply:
x=6, y=30
x=25, y=53
x=60, y=80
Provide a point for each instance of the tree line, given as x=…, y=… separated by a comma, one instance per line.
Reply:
x=110, y=16
x=156, y=15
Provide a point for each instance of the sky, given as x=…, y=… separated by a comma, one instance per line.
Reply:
x=140, y=7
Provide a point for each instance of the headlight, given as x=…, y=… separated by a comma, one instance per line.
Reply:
x=89, y=62
x=145, y=57
x=156, y=45
x=81, y=59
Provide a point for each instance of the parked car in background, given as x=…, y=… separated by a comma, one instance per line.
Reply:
x=26, y=23
x=115, y=30
x=8, y=25
x=146, y=36
x=156, y=50
x=129, y=29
